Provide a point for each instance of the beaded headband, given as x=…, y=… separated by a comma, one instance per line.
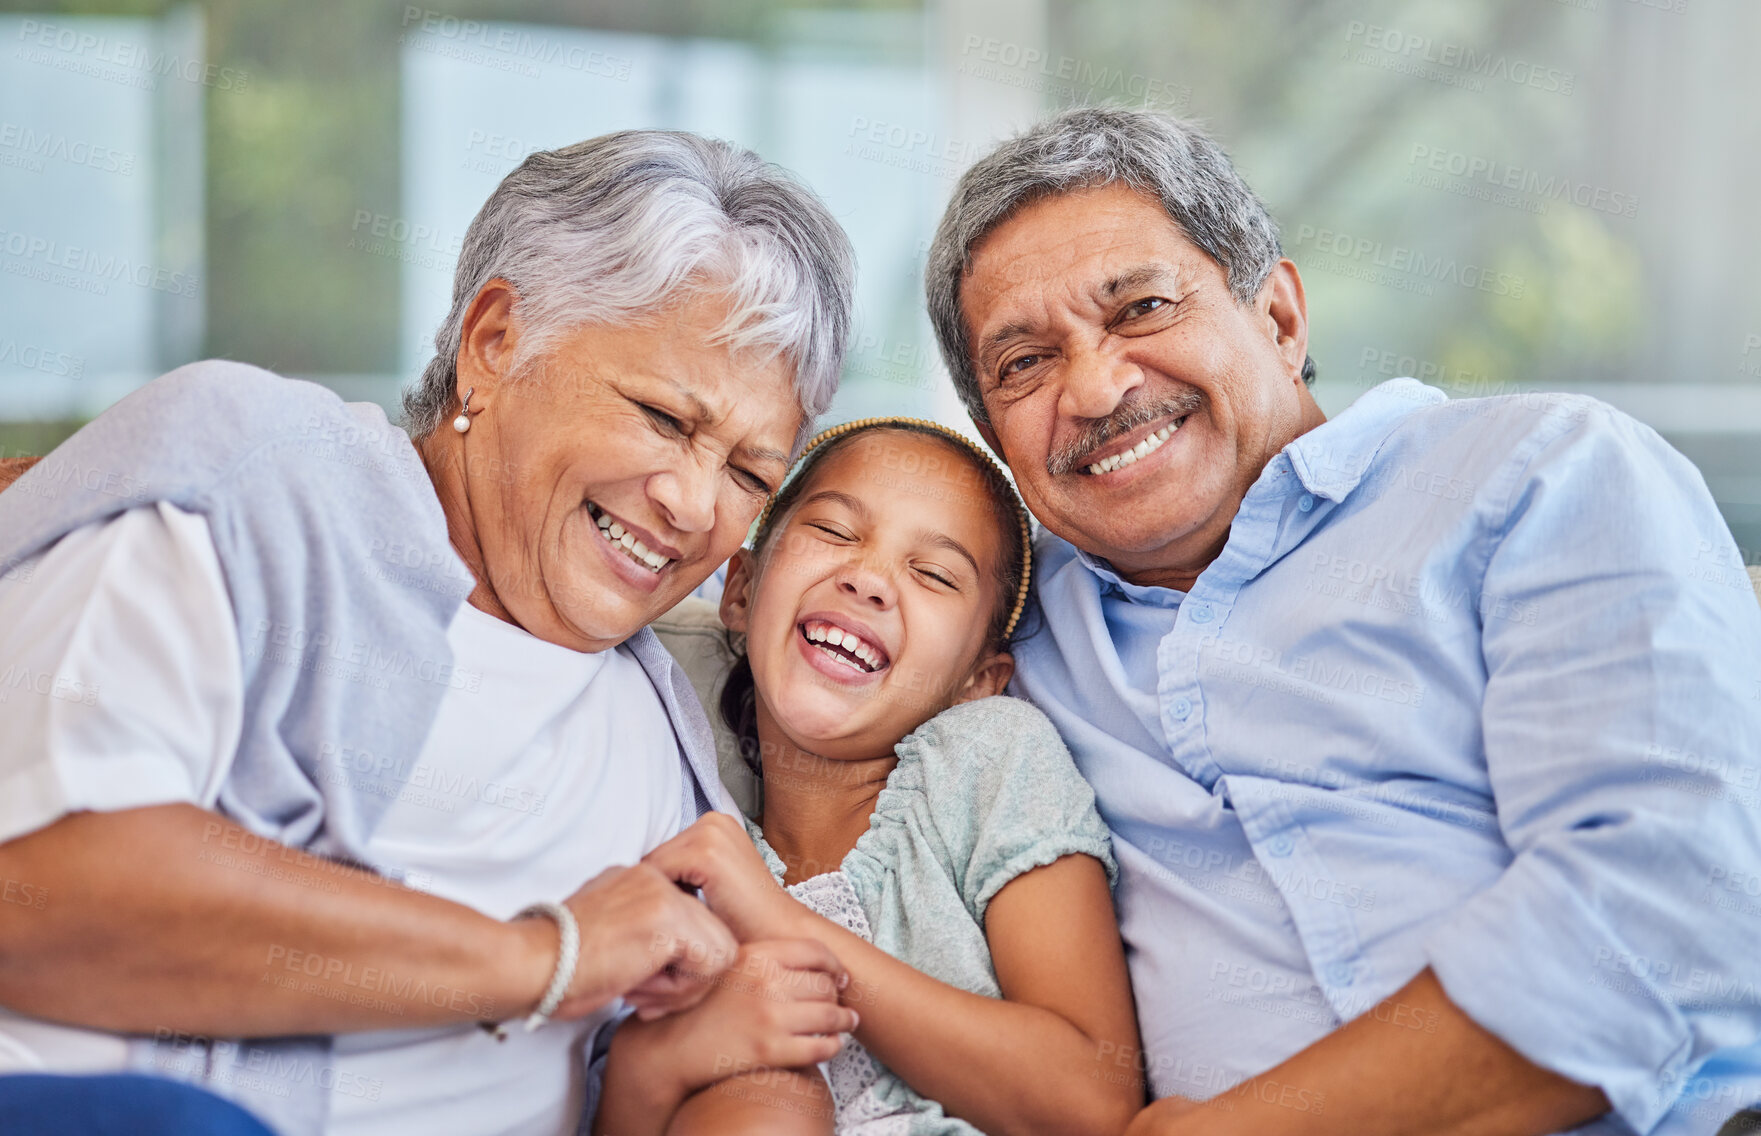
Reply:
x=925, y=424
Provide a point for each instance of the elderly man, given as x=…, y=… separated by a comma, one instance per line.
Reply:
x=341, y=743
x=1428, y=735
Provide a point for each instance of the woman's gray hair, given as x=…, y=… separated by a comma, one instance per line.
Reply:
x=609, y=230
x=1165, y=157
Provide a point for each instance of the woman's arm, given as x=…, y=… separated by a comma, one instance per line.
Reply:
x=11, y=469
x=1056, y=1054
x=171, y=918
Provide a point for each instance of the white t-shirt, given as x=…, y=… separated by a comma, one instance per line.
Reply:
x=120, y=687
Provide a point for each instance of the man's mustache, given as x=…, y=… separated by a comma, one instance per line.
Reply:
x=1072, y=455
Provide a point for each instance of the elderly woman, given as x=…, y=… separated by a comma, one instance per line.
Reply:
x=346, y=745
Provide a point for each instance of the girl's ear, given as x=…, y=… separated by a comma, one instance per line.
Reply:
x=737, y=592
x=989, y=677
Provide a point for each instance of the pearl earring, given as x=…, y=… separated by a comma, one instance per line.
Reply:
x=463, y=421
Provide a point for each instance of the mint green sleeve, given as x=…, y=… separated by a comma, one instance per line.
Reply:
x=1004, y=795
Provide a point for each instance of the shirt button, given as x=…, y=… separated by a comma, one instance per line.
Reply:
x=1339, y=974
x=1180, y=709
x=1201, y=613
x=1306, y=502
x=1280, y=845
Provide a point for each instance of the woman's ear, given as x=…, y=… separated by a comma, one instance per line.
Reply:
x=737, y=591
x=489, y=337
x=990, y=677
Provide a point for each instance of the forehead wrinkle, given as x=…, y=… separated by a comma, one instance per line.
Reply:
x=698, y=406
x=708, y=416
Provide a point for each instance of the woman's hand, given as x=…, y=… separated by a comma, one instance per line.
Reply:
x=642, y=939
x=776, y=1007
x=716, y=855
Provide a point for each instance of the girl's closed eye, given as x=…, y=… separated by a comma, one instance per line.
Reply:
x=940, y=576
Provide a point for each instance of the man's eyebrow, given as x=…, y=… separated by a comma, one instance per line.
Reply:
x=1138, y=276
x=1143, y=275
x=1013, y=330
x=943, y=540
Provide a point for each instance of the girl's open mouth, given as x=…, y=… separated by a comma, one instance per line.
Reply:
x=843, y=646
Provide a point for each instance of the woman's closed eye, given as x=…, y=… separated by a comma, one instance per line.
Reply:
x=666, y=423
x=833, y=531
x=751, y=482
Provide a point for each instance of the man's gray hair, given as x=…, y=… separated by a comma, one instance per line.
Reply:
x=1167, y=158
x=611, y=230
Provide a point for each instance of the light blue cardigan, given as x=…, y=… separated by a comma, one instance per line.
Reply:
x=343, y=583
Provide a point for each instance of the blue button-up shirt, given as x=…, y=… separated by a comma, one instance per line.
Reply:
x=1474, y=686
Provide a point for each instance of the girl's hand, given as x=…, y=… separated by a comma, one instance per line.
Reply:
x=716, y=855
x=776, y=1007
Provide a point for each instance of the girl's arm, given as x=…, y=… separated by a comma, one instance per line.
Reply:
x=765, y=1102
x=1057, y=1054
x=774, y=1009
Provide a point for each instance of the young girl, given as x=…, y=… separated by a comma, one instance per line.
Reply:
x=935, y=836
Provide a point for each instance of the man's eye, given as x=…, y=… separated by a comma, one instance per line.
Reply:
x=1018, y=364
x=662, y=419
x=1143, y=307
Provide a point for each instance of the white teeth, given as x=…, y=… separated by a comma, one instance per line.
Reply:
x=620, y=538
x=1136, y=453
x=834, y=637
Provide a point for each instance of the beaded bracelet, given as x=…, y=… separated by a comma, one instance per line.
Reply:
x=567, y=958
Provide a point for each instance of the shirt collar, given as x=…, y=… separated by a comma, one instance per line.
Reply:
x=1332, y=458
x=1151, y=594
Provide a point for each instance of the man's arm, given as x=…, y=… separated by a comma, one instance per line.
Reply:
x=1623, y=695
x=1414, y=1065
x=171, y=917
